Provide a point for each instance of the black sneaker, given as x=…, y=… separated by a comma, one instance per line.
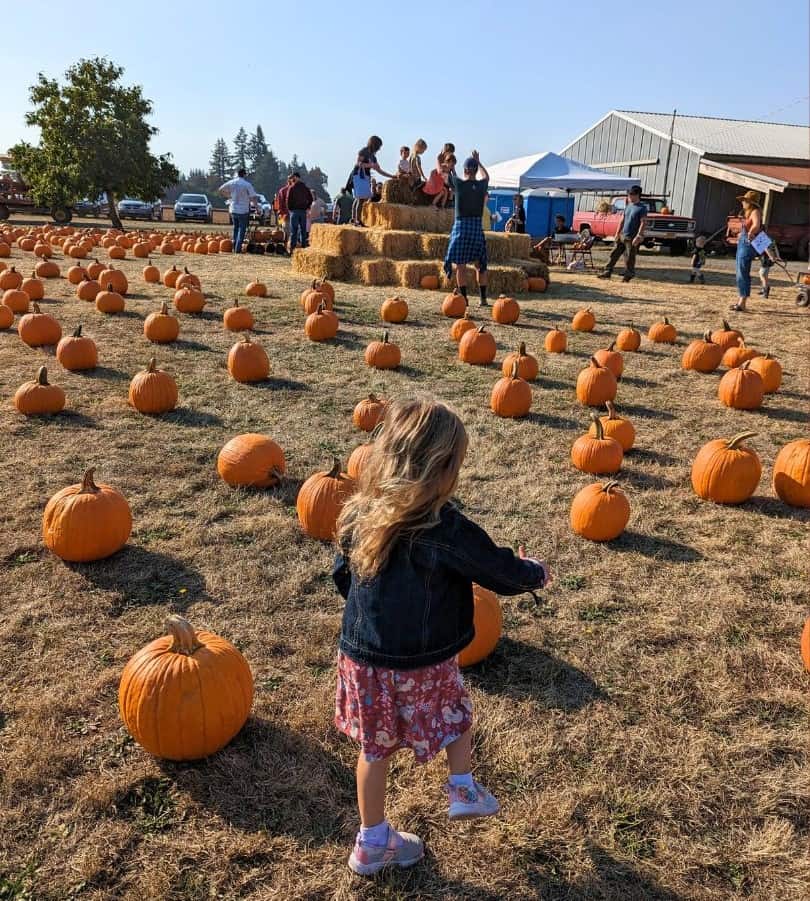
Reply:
x=604, y=274
x=628, y=278
x=692, y=279
x=482, y=303
x=701, y=279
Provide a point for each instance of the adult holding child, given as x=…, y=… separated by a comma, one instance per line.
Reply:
x=467, y=243
x=361, y=176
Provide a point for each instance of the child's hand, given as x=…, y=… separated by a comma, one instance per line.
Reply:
x=523, y=556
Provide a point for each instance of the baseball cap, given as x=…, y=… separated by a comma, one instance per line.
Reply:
x=471, y=164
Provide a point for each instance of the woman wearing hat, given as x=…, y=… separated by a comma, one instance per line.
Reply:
x=751, y=227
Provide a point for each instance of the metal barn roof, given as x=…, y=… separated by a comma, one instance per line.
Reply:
x=728, y=137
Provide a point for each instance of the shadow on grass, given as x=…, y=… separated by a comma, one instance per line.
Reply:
x=784, y=414
x=137, y=577
x=640, y=479
x=554, y=422
x=411, y=372
x=542, y=382
x=271, y=779
x=519, y=670
x=776, y=509
x=272, y=383
x=72, y=419
x=347, y=339
x=188, y=417
x=639, y=383
x=287, y=490
x=184, y=344
x=657, y=548
x=645, y=412
x=654, y=456
x=104, y=372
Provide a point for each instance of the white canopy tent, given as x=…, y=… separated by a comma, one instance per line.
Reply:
x=549, y=171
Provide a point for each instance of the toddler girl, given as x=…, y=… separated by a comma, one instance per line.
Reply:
x=406, y=567
x=436, y=186
x=417, y=174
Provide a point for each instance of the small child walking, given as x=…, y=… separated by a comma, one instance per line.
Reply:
x=698, y=261
x=408, y=558
x=766, y=261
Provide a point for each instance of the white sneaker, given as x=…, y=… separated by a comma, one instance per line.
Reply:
x=402, y=850
x=468, y=803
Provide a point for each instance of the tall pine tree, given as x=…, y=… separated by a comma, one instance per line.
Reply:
x=219, y=165
x=240, y=144
x=256, y=148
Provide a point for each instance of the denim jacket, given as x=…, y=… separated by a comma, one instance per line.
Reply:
x=419, y=609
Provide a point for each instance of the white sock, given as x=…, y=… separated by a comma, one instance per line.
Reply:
x=375, y=835
x=464, y=779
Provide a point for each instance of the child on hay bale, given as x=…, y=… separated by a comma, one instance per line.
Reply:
x=415, y=171
x=408, y=555
x=436, y=187
x=404, y=164
x=467, y=242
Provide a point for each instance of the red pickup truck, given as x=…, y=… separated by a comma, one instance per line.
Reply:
x=15, y=197
x=793, y=240
x=663, y=227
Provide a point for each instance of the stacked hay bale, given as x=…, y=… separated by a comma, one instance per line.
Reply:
x=401, y=244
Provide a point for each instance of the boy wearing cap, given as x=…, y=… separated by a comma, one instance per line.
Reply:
x=628, y=236
x=467, y=242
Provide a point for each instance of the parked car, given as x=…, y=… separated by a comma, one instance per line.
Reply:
x=663, y=226
x=132, y=208
x=193, y=206
x=87, y=207
x=792, y=240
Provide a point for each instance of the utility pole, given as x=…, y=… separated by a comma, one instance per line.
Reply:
x=669, y=153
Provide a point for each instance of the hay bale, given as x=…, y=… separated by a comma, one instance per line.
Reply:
x=520, y=246
x=375, y=271
x=410, y=272
x=398, y=217
x=397, y=190
x=433, y=247
x=336, y=240
x=531, y=267
x=506, y=280
x=310, y=261
x=398, y=245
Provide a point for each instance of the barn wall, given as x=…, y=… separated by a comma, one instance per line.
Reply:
x=615, y=139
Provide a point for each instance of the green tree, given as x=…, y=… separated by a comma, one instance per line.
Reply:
x=256, y=148
x=94, y=138
x=219, y=165
x=240, y=143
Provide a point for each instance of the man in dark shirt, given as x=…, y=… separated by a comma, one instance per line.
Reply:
x=629, y=235
x=343, y=207
x=467, y=242
x=299, y=200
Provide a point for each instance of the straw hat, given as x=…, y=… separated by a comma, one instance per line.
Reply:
x=751, y=197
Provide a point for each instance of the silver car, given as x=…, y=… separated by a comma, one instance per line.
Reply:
x=193, y=206
x=132, y=208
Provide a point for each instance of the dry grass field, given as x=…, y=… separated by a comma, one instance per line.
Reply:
x=644, y=726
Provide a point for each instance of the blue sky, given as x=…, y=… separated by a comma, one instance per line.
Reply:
x=509, y=78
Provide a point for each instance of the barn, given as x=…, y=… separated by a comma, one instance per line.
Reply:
x=701, y=163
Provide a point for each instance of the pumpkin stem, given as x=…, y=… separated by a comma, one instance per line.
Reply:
x=609, y=486
x=707, y=337
x=321, y=307
x=164, y=310
x=88, y=485
x=600, y=429
x=236, y=301
x=612, y=346
x=514, y=374
x=385, y=337
x=745, y=365
x=666, y=321
x=611, y=410
x=246, y=338
x=152, y=365
x=481, y=328
x=35, y=305
x=596, y=363
x=738, y=439
x=522, y=349
x=334, y=472
x=184, y=638
x=726, y=326
x=78, y=331
x=373, y=398
x=42, y=375
x=109, y=288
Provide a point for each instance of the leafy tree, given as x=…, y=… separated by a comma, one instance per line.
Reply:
x=256, y=148
x=219, y=164
x=94, y=138
x=240, y=143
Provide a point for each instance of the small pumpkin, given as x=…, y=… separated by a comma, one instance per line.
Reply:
x=77, y=352
x=460, y=326
x=39, y=397
x=322, y=287
x=256, y=289
x=583, y=321
x=88, y=289
x=596, y=385
x=321, y=325
x=358, y=460
x=725, y=471
x=429, y=282
x=556, y=341
x=189, y=299
x=37, y=329
x=511, y=396
x=86, y=522
x=251, y=461
x=368, y=413
x=237, y=318
x=116, y=252
x=611, y=359
x=791, y=473
x=320, y=500
x=10, y=279
x=528, y=367
x=394, y=309
x=141, y=249
x=186, y=695
x=247, y=361
x=161, y=327
x=153, y=390
x=454, y=305
x=312, y=299
x=187, y=279
x=615, y=426
x=770, y=370
x=383, y=354
x=628, y=339
x=47, y=269
x=595, y=452
x=16, y=300
x=109, y=301
x=600, y=512
x=702, y=355
x=6, y=316
x=505, y=310
x=477, y=347
x=114, y=277
x=33, y=287
x=537, y=284
x=737, y=354
x=151, y=274
x=94, y=269
x=170, y=276
x=488, y=625
x=663, y=332
x=804, y=642
x=741, y=388
x=76, y=273
x=727, y=336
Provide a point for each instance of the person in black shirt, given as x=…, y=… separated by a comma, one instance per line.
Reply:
x=467, y=242
x=361, y=176
x=517, y=221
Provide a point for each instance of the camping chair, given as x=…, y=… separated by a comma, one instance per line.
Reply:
x=583, y=250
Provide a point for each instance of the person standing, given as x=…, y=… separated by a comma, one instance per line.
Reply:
x=517, y=221
x=467, y=242
x=342, y=212
x=299, y=200
x=361, y=176
x=629, y=236
x=239, y=192
x=316, y=210
x=282, y=209
x=751, y=227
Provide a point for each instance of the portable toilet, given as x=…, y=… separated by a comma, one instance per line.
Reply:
x=541, y=208
x=502, y=202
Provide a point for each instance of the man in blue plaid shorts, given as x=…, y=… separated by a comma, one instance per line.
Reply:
x=467, y=242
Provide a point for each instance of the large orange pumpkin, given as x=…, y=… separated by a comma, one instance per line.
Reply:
x=161, y=327
x=77, y=352
x=37, y=329
x=596, y=385
x=628, y=339
x=189, y=299
x=368, y=412
x=791, y=473
x=110, y=301
x=237, y=318
x=727, y=336
x=383, y=354
x=247, y=361
x=16, y=300
x=663, y=332
x=741, y=388
x=702, y=355
x=511, y=396
x=320, y=500
x=10, y=279
x=251, y=460
x=153, y=390
x=488, y=625
x=394, y=309
x=86, y=521
x=528, y=367
x=460, y=326
x=505, y=310
x=611, y=359
x=33, y=287
x=39, y=397
x=186, y=695
x=477, y=347
x=256, y=289
x=583, y=321
x=358, y=459
x=454, y=305
x=321, y=325
x=6, y=316
x=596, y=452
x=737, y=354
x=770, y=371
x=555, y=341
x=88, y=289
x=615, y=426
x=725, y=471
x=600, y=512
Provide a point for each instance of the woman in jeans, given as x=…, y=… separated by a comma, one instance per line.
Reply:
x=361, y=176
x=751, y=227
